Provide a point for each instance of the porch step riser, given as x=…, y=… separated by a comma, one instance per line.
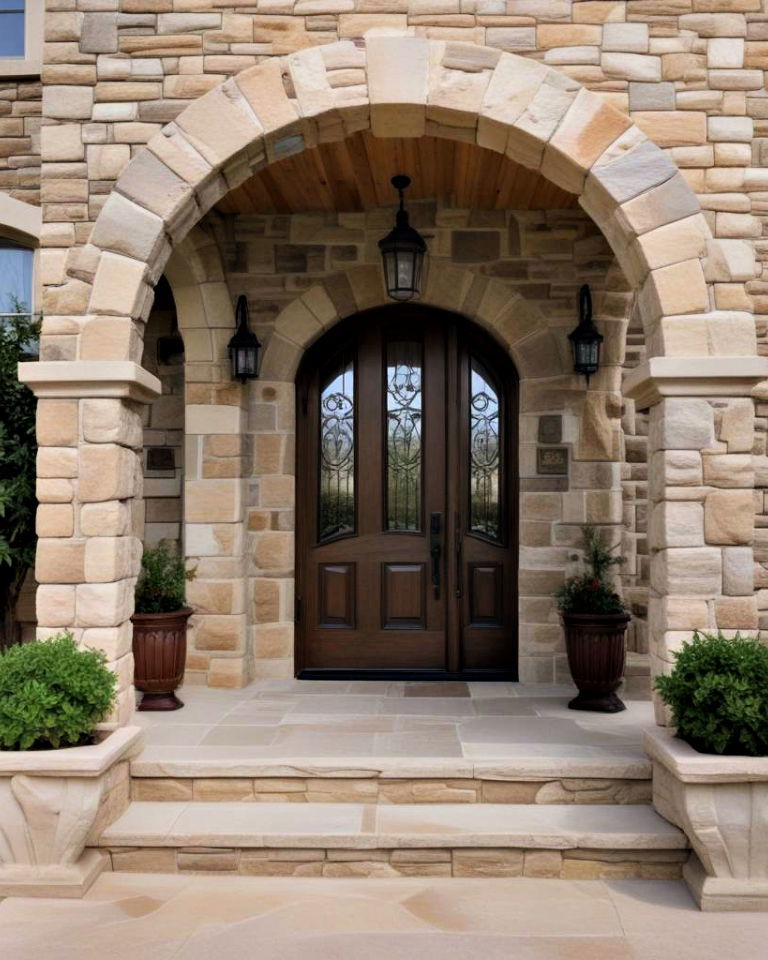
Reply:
x=389, y=791
x=572, y=864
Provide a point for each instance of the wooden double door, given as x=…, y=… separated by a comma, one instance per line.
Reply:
x=406, y=500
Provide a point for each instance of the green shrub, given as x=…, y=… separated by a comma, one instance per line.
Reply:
x=592, y=592
x=718, y=694
x=52, y=694
x=162, y=583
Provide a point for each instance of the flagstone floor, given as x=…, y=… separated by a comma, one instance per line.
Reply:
x=454, y=723
x=157, y=917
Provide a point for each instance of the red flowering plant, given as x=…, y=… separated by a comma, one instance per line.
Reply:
x=593, y=591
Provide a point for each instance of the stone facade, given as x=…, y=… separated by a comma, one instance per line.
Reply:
x=652, y=113
x=20, y=108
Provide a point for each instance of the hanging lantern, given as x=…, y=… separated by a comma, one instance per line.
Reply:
x=586, y=338
x=244, y=347
x=402, y=252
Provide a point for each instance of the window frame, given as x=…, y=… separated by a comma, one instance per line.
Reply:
x=20, y=223
x=31, y=64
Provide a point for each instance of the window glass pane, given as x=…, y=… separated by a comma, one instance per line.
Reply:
x=15, y=278
x=484, y=454
x=12, y=28
x=403, y=446
x=337, y=451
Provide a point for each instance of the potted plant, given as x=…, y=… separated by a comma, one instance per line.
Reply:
x=160, y=628
x=595, y=623
x=63, y=775
x=710, y=773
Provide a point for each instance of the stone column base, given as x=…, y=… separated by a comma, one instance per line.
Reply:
x=724, y=893
x=52, y=880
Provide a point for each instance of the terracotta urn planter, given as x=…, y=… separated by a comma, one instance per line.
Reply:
x=720, y=802
x=159, y=654
x=53, y=803
x=596, y=648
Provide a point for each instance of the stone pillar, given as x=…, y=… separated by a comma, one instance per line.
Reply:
x=90, y=514
x=215, y=460
x=701, y=497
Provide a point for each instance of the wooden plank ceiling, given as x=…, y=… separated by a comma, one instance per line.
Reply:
x=354, y=174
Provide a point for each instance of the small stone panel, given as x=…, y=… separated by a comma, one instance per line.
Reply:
x=390, y=791
x=576, y=864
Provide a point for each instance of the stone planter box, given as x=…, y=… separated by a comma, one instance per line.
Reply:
x=53, y=802
x=721, y=803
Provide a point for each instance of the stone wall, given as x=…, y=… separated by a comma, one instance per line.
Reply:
x=20, y=109
x=539, y=259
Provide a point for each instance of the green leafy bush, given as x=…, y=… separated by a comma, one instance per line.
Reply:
x=163, y=580
x=52, y=694
x=592, y=591
x=718, y=694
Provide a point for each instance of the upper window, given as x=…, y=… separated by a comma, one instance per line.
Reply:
x=21, y=37
x=12, y=28
x=16, y=277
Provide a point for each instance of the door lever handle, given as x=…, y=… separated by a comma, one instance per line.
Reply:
x=436, y=549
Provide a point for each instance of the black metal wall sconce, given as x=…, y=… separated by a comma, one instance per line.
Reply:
x=244, y=347
x=586, y=338
x=402, y=252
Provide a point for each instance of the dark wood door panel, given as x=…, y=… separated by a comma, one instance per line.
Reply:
x=392, y=575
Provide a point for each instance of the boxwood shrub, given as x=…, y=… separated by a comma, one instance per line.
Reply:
x=718, y=694
x=52, y=694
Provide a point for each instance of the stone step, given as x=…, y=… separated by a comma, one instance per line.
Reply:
x=222, y=774
x=351, y=839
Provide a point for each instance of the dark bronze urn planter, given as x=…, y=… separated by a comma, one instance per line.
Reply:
x=596, y=649
x=159, y=654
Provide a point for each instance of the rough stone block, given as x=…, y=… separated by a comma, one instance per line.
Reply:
x=729, y=517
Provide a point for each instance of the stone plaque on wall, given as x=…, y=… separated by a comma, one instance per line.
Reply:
x=552, y=460
x=550, y=428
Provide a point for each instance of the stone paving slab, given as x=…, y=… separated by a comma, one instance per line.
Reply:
x=352, y=825
x=161, y=917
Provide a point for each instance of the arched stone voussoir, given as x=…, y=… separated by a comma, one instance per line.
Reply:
x=408, y=86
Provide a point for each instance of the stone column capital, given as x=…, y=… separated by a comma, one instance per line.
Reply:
x=90, y=378
x=662, y=377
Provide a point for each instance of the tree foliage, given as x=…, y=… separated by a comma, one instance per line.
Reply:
x=18, y=450
x=592, y=592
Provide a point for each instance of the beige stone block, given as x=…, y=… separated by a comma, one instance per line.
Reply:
x=163, y=789
x=213, y=501
x=729, y=517
x=151, y=184
x=683, y=613
x=63, y=102
x=683, y=240
x=109, y=558
x=677, y=524
x=107, y=472
x=60, y=561
x=106, y=161
x=104, y=604
x=397, y=85
x=118, y=286
x=56, y=424
x=55, y=605
x=588, y=128
x=220, y=124
x=144, y=238
x=111, y=518
x=673, y=128
x=114, y=642
x=274, y=550
x=274, y=640
x=55, y=520
x=263, y=88
x=682, y=423
x=207, y=596
x=666, y=203
x=738, y=571
x=150, y=860
x=61, y=143
x=542, y=863
x=57, y=462
x=111, y=421
x=214, y=632
x=231, y=673
x=688, y=571
x=110, y=338
x=728, y=470
x=679, y=288
x=227, y=789
x=213, y=419
x=736, y=613
x=479, y=862
x=54, y=491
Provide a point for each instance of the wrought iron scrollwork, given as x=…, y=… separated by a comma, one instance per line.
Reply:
x=484, y=454
x=337, y=453
x=404, y=441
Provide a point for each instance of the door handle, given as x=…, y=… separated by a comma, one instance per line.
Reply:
x=436, y=549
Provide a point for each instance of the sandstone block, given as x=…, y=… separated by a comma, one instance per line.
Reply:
x=109, y=558
x=60, y=561
x=738, y=571
x=114, y=642
x=107, y=472
x=56, y=424
x=677, y=524
x=728, y=470
x=688, y=571
x=61, y=143
x=118, y=286
x=111, y=421
x=397, y=85
x=675, y=289
x=55, y=520
x=220, y=124
x=729, y=517
x=62, y=102
x=736, y=613
x=682, y=423
x=55, y=605
x=104, y=604
x=673, y=128
x=213, y=501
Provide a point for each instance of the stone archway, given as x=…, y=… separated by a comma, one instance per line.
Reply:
x=699, y=358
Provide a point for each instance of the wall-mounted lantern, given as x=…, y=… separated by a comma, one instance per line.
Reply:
x=586, y=338
x=402, y=252
x=244, y=347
